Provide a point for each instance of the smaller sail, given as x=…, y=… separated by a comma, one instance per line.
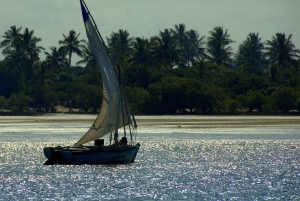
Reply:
x=114, y=111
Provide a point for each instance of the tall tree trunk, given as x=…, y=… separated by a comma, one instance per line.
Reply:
x=69, y=79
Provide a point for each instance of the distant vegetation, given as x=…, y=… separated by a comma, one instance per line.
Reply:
x=177, y=71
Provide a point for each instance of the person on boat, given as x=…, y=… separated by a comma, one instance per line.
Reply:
x=124, y=140
x=120, y=143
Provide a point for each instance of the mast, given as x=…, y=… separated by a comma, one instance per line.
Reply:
x=122, y=96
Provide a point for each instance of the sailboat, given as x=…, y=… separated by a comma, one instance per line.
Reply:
x=115, y=116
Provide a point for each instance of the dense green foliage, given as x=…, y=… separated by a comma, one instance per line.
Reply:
x=177, y=71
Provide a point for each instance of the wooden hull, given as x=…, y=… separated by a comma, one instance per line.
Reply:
x=90, y=155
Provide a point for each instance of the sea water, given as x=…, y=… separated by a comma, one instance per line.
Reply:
x=174, y=163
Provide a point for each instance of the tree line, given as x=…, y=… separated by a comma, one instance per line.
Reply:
x=177, y=71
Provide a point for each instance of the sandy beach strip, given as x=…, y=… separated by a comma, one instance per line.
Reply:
x=163, y=120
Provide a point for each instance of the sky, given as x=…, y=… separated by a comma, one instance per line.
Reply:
x=145, y=18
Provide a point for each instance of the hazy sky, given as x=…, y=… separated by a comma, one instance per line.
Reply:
x=144, y=18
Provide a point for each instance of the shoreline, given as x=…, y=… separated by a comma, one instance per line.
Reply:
x=191, y=121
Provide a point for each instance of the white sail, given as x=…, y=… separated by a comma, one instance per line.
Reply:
x=114, y=111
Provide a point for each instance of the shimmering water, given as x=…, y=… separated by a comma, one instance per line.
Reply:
x=248, y=163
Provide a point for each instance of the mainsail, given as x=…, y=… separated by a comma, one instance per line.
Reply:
x=114, y=111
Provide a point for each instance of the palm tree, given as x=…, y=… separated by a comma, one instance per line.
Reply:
x=251, y=52
x=281, y=51
x=29, y=43
x=31, y=51
x=179, y=35
x=118, y=46
x=15, y=59
x=164, y=50
x=189, y=44
x=88, y=58
x=12, y=39
x=193, y=47
x=14, y=56
x=140, y=54
x=217, y=47
x=56, y=59
x=39, y=79
x=71, y=44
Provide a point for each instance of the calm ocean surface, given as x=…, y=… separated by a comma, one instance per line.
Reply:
x=174, y=163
